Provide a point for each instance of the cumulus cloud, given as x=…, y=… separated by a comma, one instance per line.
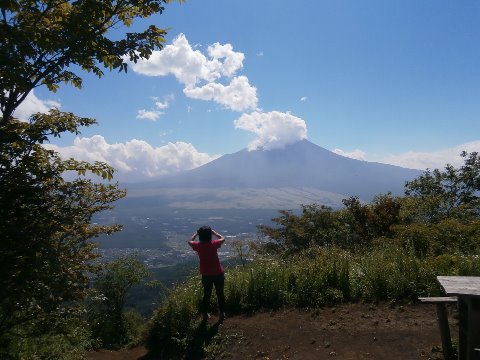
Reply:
x=32, y=105
x=179, y=59
x=431, y=160
x=161, y=105
x=152, y=115
x=239, y=95
x=190, y=66
x=136, y=160
x=232, y=62
x=272, y=129
x=355, y=154
x=201, y=74
x=303, y=98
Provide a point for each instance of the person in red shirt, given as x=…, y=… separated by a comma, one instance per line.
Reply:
x=210, y=268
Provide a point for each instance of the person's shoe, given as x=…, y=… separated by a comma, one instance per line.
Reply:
x=221, y=316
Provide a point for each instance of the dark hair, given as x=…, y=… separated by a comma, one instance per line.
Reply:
x=205, y=234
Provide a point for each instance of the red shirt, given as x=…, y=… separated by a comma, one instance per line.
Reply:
x=207, y=252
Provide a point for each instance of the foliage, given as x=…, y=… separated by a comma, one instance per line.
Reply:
x=369, y=221
x=47, y=255
x=45, y=41
x=311, y=278
x=453, y=192
x=69, y=343
x=317, y=225
x=172, y=326
x=449, y=236
x=45, y=222
x=110, y=323
x=353, y=227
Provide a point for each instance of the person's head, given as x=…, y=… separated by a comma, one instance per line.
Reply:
x=205, y=234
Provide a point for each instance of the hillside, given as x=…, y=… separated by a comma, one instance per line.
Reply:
x=346, y=332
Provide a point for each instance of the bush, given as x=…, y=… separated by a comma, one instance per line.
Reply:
x=70, y=342
x=173, y=324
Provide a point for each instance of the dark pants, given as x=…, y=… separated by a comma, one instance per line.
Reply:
x=208, y=281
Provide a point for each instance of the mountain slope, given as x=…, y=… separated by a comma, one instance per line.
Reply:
x=299, y=165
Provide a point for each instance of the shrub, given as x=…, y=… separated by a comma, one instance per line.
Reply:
x=69, y=343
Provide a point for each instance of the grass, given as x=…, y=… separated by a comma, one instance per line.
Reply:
x=314, y=278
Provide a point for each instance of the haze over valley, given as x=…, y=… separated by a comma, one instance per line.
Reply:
x=237, y=192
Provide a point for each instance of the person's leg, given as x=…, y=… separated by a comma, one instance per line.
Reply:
x=207, y=282
x=219, y=289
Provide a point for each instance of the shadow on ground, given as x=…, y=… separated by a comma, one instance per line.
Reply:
x=201, y=337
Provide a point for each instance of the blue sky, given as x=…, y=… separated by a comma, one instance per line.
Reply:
x=389, y=81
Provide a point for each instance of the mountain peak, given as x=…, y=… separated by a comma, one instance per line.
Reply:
x=302, y=164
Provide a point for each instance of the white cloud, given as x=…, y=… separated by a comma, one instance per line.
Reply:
x=233, y=60
x=200, y=73
x=151, y=115
x=178, y=59
x=161, y=105
x=355, y=154
x=431, y=160
x=417, y=159
x=191, y=66
x=32, y=105
x=273, y=129
x=303, y=98
x=260, y=54
x=239, y=95
x=136, y=160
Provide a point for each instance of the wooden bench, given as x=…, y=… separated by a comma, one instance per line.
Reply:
x=442, y=319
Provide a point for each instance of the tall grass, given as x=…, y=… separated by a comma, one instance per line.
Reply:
x=314, y=278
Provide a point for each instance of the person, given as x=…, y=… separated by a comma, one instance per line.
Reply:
x=211, y=269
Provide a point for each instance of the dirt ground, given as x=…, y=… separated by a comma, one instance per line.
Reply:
x=354, y=331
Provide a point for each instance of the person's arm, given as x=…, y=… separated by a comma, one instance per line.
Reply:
x=195, y=234
x=220, y=237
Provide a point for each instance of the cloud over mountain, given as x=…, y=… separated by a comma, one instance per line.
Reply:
x=355, y=154
x=272, y=129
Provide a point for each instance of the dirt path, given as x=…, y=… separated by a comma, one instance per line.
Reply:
x=346, y=332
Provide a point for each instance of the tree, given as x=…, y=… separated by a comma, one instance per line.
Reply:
x=453, y=192
x=47, y=42
x=45, y=226
x=369, y=221
x=356, y=225
x=113, y=284
x=316, y=225
x=46, y=248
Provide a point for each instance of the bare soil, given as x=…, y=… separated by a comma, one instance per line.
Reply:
x=346, y=332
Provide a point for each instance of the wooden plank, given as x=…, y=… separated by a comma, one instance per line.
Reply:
x=460, y=285
x=442, y=319
x=438, y=299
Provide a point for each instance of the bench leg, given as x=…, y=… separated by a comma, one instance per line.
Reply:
x=444, y=332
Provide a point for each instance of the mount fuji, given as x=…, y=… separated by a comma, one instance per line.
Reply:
x=299, y=173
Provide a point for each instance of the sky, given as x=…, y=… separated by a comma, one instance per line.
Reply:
x=395, y=82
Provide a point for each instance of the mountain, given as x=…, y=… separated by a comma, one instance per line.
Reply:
x=297, y=174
